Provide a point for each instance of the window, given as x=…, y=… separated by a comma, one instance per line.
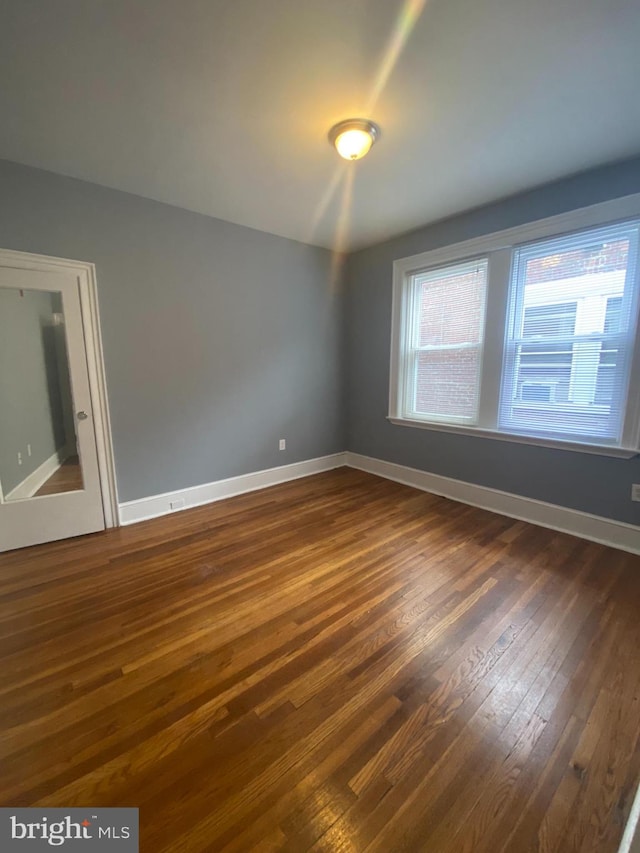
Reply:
x=532, y=340
x=446, y=346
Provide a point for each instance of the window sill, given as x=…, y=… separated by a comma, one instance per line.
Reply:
x=597, y=449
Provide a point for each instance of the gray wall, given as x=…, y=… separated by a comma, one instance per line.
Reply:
x=31, y=402
x=218, y=339
x=596, y=484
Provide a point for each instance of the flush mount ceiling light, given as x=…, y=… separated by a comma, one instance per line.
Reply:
x=354, y=137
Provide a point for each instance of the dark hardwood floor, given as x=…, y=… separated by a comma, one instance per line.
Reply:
x=340, y=663
x=68, y=478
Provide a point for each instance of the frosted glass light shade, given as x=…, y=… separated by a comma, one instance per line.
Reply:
x=353, y=138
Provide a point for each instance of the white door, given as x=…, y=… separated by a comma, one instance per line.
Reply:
x=49, y=476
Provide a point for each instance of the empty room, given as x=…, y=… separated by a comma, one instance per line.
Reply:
x=320, y=426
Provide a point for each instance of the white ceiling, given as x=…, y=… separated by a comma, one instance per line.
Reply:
x=223, y=106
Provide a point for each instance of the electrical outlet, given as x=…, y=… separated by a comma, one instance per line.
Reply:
x=282, y=444
x=19, y=458
x=178, y=503
x=635, y=491
x=28, y=450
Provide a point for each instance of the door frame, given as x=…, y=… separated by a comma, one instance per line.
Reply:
x=88, y=291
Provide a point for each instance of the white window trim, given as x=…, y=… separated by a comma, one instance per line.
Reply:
x=608, y=212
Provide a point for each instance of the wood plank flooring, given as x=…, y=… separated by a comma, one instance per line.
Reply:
x=68, y=478
x=340, y=663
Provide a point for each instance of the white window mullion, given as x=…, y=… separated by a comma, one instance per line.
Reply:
x=495, y=318
x=413, y=309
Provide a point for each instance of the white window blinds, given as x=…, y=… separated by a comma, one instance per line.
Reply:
x=445, y=342
x=570, y=336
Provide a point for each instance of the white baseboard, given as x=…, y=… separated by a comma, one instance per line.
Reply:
x=157, y=505
x=36, y=479
x=631, y=839
x=595, y=528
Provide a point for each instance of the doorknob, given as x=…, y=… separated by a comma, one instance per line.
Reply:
x=82, y=416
